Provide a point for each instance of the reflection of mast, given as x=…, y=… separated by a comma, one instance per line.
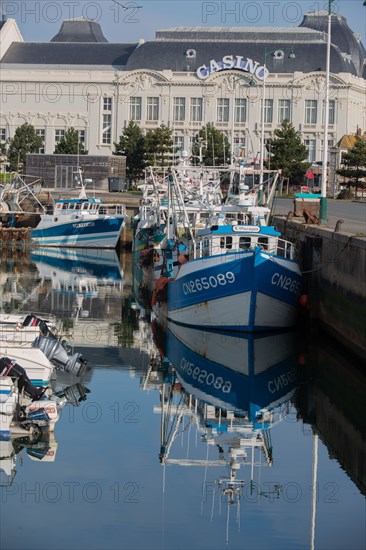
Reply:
x=313, y=503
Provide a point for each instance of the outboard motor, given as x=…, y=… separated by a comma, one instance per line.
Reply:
x=58, y=356
x=74, y=394
x=9, y=367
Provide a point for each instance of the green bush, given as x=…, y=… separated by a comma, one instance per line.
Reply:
x=345, y=194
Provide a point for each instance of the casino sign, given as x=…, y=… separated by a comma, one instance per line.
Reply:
x=237, y=62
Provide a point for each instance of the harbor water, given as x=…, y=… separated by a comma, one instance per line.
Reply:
x=178, y=438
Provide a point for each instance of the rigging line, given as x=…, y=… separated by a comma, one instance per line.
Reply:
x=321, y=265
x=329, y=261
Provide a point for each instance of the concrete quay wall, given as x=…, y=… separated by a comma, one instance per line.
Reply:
x=334, y=266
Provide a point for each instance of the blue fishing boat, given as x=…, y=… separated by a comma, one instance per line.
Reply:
x=238, y=275
x=84, y=222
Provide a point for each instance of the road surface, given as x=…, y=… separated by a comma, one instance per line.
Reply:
x=353, y=214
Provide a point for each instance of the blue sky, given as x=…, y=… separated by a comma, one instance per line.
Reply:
x=40, y=20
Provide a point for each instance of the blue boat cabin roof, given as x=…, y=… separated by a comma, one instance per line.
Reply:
x=239, y=230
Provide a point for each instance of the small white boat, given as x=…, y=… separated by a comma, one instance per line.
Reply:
x=8, y=402
x=34, y=333
x=80, y=222
x=38, y=367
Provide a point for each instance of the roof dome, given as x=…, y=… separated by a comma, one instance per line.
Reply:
x=79, y=30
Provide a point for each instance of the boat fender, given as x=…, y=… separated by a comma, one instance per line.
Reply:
x=303, y=300
x=158, y=294
x=182, y=259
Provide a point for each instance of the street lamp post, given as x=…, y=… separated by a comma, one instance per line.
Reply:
x=265, y=73
x=250, y=83
x=323, y=197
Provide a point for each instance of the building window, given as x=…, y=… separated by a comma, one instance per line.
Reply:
x=268, y=111
x=239, y=149
x=152, y=108
x=222, y=110
x=135, y=108
x=81, y=134
x=331, y=111
x=106, y=131
x=41, y=132
x=284, y=110
x=178, y=144
x=330, y=143
x=107, y=103
x=2, y=134
x=58, y=135
x=196, y=114
x=179, y=109
x=192, y=143
x=240, y=114
x=311, y=111
x=311, y=146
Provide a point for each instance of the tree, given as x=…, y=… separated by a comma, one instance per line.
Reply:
x=159, y=147
x=288, y=153
x=132, y=146
x=354, y=165
x=70, y=144
x=212, y=146
x=25, y=141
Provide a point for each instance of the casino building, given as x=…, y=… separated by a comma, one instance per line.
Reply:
x=184, y=78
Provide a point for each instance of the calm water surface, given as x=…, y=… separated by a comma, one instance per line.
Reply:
x=244, y=443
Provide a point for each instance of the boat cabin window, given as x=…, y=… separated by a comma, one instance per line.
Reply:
x=71, y=206
x=263, y=242
x=85, y=206
x=226, y=242
x=77, y=206
x=64, y=206
x=244, y=243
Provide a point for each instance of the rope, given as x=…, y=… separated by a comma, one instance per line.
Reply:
x=328, y=261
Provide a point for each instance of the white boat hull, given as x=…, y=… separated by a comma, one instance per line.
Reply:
x=8, y=401
x=95, y=232
x=250, y=291
x=38, y=368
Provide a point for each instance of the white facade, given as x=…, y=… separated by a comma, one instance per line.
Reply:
x=99, y=101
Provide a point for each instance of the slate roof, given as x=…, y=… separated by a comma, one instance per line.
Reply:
x=79, y=30
x=82, y=43
x=75, y=53
x=310, y=57
x=341, y=35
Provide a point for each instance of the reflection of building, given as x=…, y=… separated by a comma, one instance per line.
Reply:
x=334, y=405
x=167, y=80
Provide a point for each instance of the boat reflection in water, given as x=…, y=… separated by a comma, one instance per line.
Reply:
x=81, y=271
x=234, y=389
x=40, y=443
x=78, y=279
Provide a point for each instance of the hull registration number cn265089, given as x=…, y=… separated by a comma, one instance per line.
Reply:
x=286, y=283
x=205, y=283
